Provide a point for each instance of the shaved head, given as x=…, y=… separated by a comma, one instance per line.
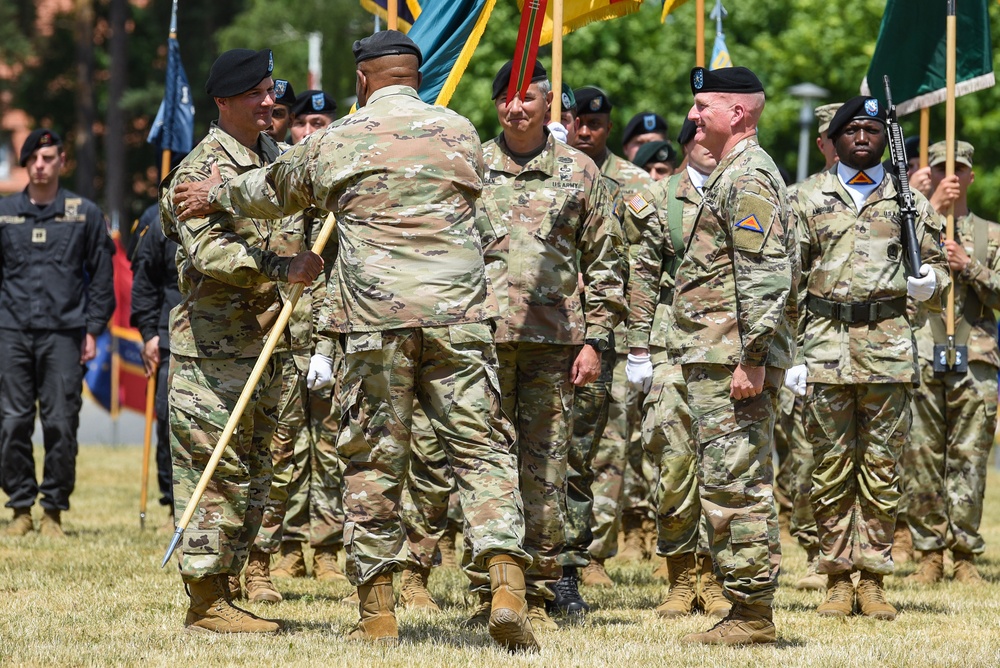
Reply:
x=395, y=70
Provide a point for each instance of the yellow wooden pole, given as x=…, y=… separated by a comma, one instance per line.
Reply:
x=949, y=166
x=393, y=11
x=147, y=444
x=557, y=58
x=925, y=135
x=699, y=29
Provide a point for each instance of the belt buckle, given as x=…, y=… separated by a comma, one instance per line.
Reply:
x=844, y=312
x=873, y=312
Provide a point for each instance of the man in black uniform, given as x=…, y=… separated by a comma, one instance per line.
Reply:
x=56, y=297
x=154, y=293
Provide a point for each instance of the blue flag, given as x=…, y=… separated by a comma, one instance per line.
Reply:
x=447, y=32
x=720, y=54
x=173, y=128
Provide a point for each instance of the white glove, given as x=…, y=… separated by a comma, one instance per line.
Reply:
x=795, y=379
x=922, y=288
x=320, y=372
x=639, y=371
x=558, y=130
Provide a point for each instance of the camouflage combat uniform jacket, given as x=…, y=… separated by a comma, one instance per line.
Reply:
x=850, y=256
x=984, y=279
x=550, y=220
x=654, y=260
x=410, y=252
x=735, y=294
x=228, y=269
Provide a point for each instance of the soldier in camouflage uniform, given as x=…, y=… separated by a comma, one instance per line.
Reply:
x=231, y=283
x=552, y=222
x=856, y=362
x=954, y=414
x=608, y=462
x=734, y=312
x=665, y=216
x=411, y=298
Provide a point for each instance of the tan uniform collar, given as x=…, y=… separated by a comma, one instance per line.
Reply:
x=240, y=154
x=729, y=159
x=502, y=161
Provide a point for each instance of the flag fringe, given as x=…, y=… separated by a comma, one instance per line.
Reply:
x=465, y=56
x=603, y=14
x=373, y=8
x=975, y=84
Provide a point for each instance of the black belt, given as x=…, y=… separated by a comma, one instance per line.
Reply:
x=856, y=313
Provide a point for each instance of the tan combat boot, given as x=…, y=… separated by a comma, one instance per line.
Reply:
x=509, y=625
x=649, y=538
x=352, y=599
x=211, y=612
x=481, y=614
x=21, y=525
x=812, y=579
x=902, y=544
x=292, y=563
x=538, y=615
x=635, y=546
x=839, y=596
x=378, y=612
x=683, y=580
x=447, y=548
x=595, y=575
x=414, y=594
x=662, y=572
x=260, y=589
x=51, y=526
x=930, y=569
x=744, y=625
x=871, y=597
x=236, y=592
x=965, y=568
x=325, y=566
x=710, y=595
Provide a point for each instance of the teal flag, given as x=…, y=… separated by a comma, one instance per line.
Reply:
x=911, y=49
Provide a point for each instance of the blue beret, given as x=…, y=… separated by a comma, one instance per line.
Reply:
x=237, y=71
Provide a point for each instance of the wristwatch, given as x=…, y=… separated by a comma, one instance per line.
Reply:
x=600, y=345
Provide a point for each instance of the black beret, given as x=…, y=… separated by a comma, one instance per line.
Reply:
x=687, y=132
x=860, y=106
x=386, y=43
x=654, y=151
x=725, y=80
x=39, y=138
x=314, y=102
x=237, y=71
x=591, y=100
x=502, y=80
x=642, y=123
x=912, y=146
x=284, y=94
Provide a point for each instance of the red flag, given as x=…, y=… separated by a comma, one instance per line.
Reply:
x=127, y=341
x=526, y=50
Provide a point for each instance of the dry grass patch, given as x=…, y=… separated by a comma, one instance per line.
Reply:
x=100, y=598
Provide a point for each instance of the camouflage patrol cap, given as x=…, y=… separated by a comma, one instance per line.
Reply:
x=824, y=114
x=386, y=43
x=39, y=138
x=237, y=71
x=936, y=154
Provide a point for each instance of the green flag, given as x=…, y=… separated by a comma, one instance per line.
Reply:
x=911, y=50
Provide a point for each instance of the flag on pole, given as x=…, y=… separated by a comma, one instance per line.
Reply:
x=911, y=50
x=173, y=128
x=407, y=12
x=526, y=49
x=448, y=32
x=669, y=6
x=578, y=13
x=720, y=52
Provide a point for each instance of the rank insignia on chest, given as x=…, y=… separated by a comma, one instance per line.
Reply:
x=639, y=206
x=38, y=235
x=861, y=179
x=750, y=223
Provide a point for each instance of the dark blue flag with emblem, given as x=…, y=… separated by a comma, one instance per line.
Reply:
x=173, y=128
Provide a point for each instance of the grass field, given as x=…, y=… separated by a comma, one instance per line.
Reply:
x=99, y=597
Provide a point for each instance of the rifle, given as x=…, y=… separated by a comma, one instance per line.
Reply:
x=907, y=209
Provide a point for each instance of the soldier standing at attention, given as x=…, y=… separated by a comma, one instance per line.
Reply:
x=855, y=364
x=229, y=280
x=954, y=414
x=734, y=309
x=56, y=297
x=415, y=315
x=281, y=114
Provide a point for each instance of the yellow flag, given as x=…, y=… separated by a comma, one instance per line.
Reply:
x=578, y=13
x=669, y=6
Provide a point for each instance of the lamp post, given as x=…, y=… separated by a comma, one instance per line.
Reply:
x=809, y=93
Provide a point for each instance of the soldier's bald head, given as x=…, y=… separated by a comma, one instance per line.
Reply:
x=402, y=69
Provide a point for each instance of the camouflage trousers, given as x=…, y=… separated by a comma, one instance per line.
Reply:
x=538, y=397
x=668, y=438
x=783, y=428
x=795, y=469
x=590, y=417
x=452, y=372
x=291, y=422
x=857, y=434
x=735, y=452
x=429, y=502
x=945, y=460
x=203, y=393
x=620, y=437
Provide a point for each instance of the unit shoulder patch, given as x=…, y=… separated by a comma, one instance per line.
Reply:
x=752, y=219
